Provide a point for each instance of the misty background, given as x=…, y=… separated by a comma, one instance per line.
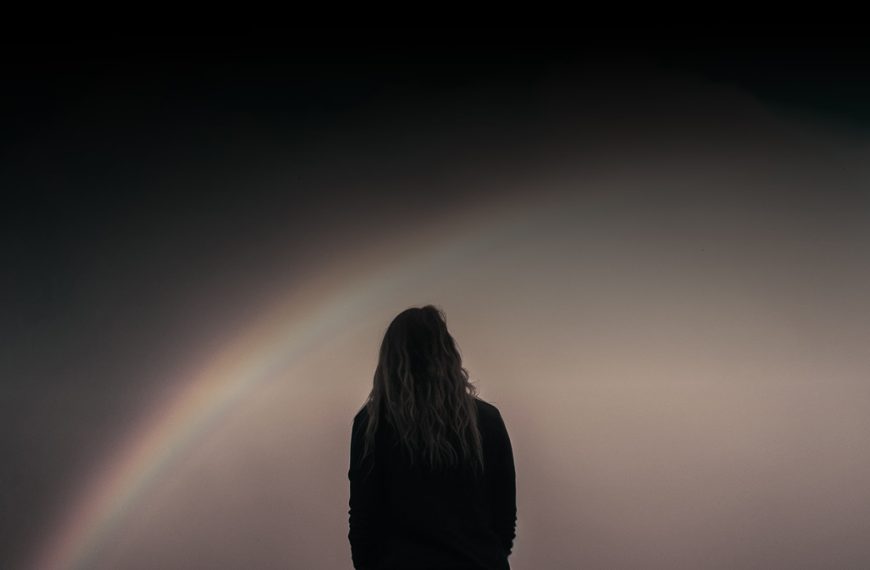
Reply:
x=653, y=257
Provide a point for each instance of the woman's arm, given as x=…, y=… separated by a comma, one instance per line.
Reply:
x=365, y=500
x=504, y=490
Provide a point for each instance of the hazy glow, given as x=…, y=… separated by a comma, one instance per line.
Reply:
x=677, y=341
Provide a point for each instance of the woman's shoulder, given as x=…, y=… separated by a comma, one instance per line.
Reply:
x=361, y=418
x=486, y=409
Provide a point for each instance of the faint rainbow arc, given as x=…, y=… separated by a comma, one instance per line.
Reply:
x=225, y=379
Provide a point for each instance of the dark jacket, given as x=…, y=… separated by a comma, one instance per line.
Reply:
x=405, y=517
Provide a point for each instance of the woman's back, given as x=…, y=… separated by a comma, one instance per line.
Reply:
x=406, y=515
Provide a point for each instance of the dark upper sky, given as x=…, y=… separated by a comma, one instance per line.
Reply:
x=127, y=160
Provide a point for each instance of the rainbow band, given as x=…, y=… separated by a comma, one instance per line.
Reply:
x=283, y=334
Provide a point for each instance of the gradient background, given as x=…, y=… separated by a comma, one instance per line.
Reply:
x=655, y=259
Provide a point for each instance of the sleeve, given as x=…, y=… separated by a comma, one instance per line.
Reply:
x=364, y=517
x=504, y=490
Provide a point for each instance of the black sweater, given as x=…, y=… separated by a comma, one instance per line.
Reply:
x=405, y=517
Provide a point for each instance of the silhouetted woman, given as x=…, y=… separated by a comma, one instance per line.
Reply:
x=432, y=482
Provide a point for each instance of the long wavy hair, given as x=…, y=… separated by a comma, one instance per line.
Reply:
x=423, y=392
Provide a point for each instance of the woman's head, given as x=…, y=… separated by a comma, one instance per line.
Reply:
x=417, y=352
x=422, y=390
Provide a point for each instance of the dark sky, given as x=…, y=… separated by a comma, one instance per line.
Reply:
x=139, y=172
